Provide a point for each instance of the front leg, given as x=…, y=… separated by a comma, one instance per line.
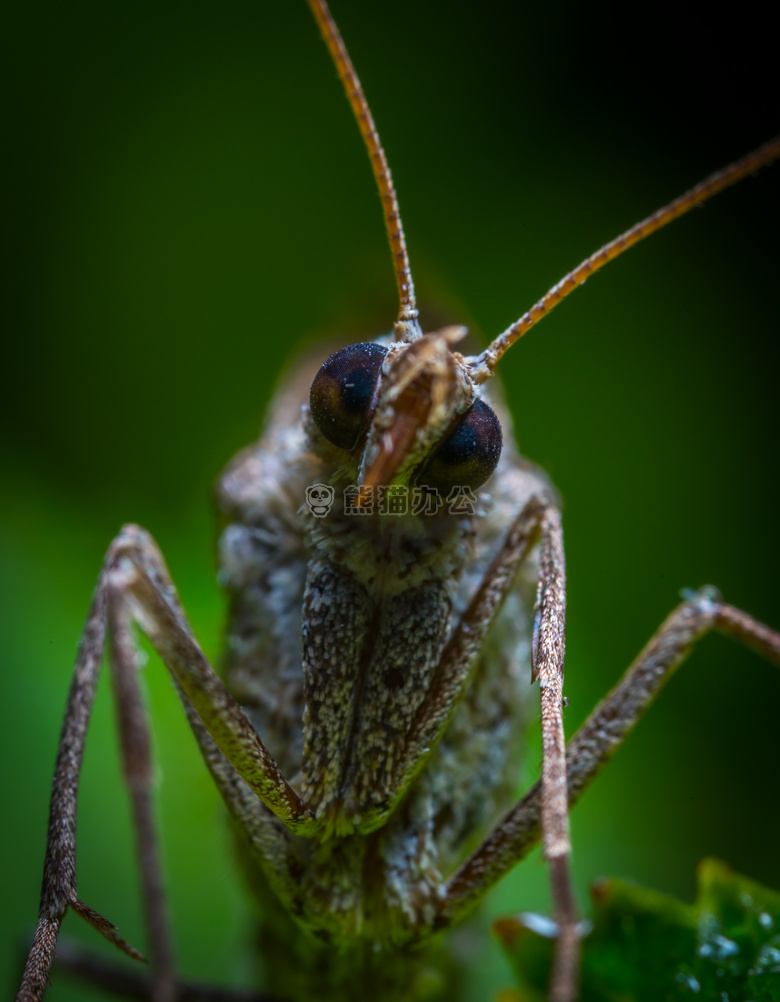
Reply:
x=137, y=571
x=134, y=587
x=539, y=522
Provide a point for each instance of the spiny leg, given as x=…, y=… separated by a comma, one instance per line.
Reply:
x=600, y=737
x=548, y=664
x=453, y=673
x=539, y=521
x=134, y=586
x=58, y=892
x=245, y=775
x=268, y=839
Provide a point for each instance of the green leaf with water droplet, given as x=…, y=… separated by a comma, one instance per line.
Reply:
x=648, y=947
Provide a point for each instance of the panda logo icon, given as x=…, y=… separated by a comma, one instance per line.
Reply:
x=319, y=498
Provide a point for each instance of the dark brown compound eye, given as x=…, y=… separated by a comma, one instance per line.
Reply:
x=342, y=390
x=468, y=455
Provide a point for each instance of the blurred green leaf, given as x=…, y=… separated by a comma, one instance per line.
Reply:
x=648, y=947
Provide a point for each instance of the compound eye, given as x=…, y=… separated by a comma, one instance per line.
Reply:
x=468, y=455
x=342, y=390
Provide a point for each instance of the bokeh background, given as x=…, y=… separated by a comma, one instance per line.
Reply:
x=186, y=200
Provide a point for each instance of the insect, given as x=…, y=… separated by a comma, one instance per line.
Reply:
x=670, y=579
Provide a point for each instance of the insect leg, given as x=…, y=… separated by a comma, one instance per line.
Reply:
x=59, y=871
x=539, y=521
x=136, y=749
x=453, y=673
x=244, y=773
x=150, y=600
x=601, y=735
x=548, y=657
x=134, y=587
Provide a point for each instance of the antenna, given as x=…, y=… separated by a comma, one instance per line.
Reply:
x=484, y=365
x=407, y=327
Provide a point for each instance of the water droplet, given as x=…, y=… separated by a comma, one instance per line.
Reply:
x=540, y=924
x=717, y=947
x=688, y=981
x=765, y=921
x=565, y=702
x=768, y=959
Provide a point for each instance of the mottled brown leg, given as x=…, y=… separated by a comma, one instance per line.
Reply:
x=136, y=749
x=548, y=663
x=58, y=892
x=150, y=597
x=600, y=737
x=453, y=673
x=538, y=522
x=134, y=587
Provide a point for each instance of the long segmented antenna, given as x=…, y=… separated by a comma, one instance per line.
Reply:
x=484, y=365
x=407, y=327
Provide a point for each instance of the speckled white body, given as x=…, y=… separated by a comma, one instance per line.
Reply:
x=375, y=599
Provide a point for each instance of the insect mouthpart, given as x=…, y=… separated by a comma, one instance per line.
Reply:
x=412, y=411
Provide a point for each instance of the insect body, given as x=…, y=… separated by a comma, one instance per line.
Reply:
x=376, y=604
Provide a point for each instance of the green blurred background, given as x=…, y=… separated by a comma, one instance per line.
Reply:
x=186, y=199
